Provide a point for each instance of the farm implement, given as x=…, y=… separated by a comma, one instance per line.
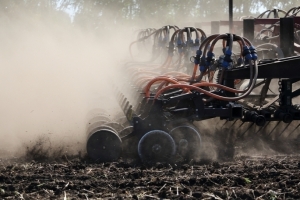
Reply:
x=245, y=89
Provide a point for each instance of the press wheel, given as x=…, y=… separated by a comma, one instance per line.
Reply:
x=156, y=146
x=187, y=140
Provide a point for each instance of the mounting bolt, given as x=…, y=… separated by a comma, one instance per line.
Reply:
x=149, y=124
x=136, y=122
x=196, y=110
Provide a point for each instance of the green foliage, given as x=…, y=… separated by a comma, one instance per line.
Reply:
x=171, y=11
x=103, y=13
x=12, y=9
x=247, y=180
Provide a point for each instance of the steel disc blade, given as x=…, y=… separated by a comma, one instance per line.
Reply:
x=115, y=125
x=126, y=131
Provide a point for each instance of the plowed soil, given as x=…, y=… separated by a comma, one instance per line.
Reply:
x=256, y=177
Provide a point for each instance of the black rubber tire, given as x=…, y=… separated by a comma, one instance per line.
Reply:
x=187, y=140
x=156, y=146
x=104, y=145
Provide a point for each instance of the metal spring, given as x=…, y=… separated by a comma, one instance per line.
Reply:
x=218, y=76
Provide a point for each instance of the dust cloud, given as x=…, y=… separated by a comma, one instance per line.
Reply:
x=52, y=75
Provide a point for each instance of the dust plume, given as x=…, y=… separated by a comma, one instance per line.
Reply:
x=53, y=74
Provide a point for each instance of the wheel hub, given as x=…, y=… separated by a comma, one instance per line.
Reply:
x=156, y=148
x=183, y=143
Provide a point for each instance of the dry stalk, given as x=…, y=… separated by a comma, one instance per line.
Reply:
x=61, y=165
x=89, y=171
x=110, y=186
x=253, y=194
x=88, y=191
x=153, y=197
x=162, y=187
x=67, y=159
x=234, y=193
x=212, y=195
x=139, y=187
x=210, y=179
x=282, y=159
x=46, y=191
x=129, y=194
x=21, y=197
x=142, y=194
x=190, y=196
x=168, y=182
x=227, y=194
x=65, y=195
x=66, y=185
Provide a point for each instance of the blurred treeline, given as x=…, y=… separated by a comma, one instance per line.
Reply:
x=97, y=14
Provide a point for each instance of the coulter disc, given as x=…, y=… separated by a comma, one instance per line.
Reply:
x=104, y=145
